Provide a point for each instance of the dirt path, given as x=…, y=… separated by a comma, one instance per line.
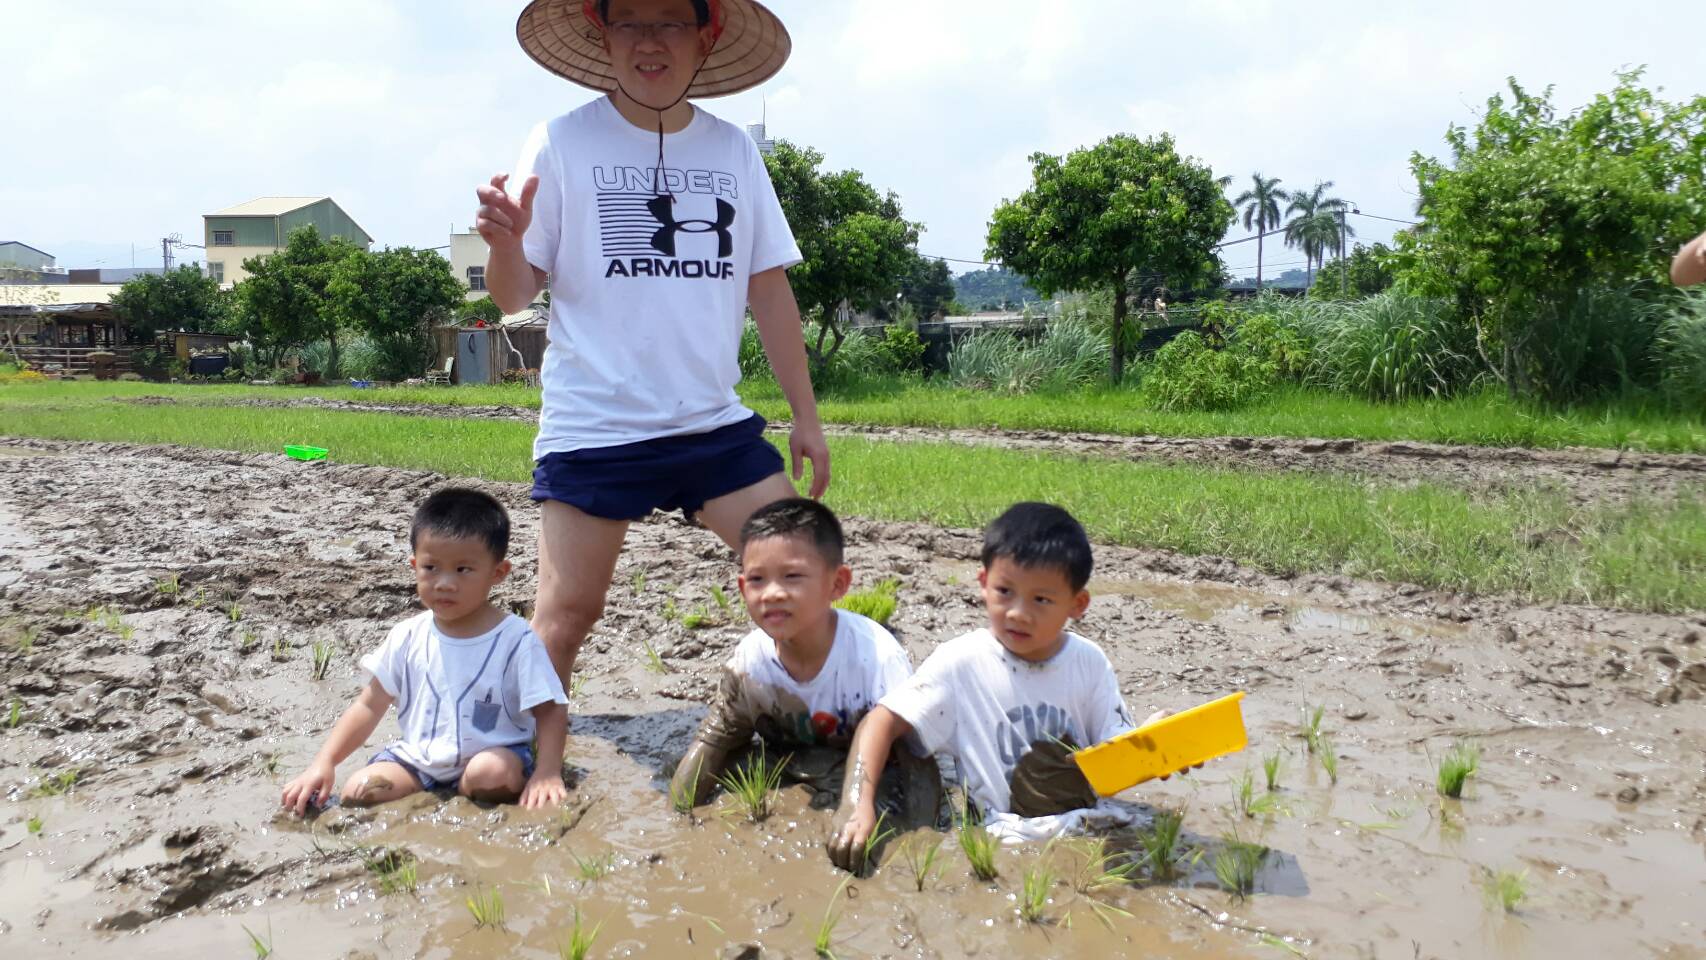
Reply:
x=1586, y=475
x=182, y=711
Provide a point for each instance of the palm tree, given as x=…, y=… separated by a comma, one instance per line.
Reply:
x=1315, y=229
x=1261, y=212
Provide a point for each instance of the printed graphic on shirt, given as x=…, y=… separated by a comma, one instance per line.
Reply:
x=645, y=233
x=1026, y=725
x=808, y=729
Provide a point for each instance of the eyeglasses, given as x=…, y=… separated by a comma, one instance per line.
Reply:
x=631, y=30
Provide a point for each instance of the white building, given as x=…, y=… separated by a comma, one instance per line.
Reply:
x=468, y=252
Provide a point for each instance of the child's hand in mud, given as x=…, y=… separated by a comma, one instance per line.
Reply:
x=314, y=786
x=850, y=831
x=1162, y=715
x=543, y=792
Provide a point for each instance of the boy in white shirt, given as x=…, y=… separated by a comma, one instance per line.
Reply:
x=809, y=672
x=472, y=683
x=1010, y=701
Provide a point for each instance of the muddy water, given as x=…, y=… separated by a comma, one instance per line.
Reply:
x=183, y=724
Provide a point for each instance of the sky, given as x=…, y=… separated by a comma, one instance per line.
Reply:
x=128, y=121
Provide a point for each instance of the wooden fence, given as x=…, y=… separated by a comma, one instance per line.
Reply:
x=74, y=359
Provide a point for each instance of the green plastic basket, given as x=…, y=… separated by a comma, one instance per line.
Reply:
x=298, y=452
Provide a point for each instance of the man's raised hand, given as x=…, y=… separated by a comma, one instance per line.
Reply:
x=503, y=221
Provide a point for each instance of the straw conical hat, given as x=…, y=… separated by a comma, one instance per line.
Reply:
x=565, y=39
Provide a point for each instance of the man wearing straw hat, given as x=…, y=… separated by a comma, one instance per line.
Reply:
x=655, y=226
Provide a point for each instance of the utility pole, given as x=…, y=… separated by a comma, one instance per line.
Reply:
x=1344, y=269
x=166, y=254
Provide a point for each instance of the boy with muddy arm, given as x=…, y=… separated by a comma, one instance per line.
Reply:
x=472, y=684
x=1010, y=702
x=808, y=673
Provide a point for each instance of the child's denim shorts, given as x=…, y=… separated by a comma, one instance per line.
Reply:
x=629, y=481
x=428, y=782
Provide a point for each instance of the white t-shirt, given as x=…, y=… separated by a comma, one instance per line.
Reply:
x=865, y=663
x=458, y=697
x=647, y=296
x=987, y=707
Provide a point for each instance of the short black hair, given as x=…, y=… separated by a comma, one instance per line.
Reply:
x=797, y=517
x=465, y=515
x=701, y=11
x=1040, y=535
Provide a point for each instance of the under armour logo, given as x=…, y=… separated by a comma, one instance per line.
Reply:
x=663, y=208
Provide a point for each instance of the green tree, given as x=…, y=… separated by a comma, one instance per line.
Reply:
x=281, y=305
x=1315, y=227
x=928, y=286
x=184, y=299
x=993, y=288
x=1536, y=211
x=1366, y=272
x=1103, y=217
x=1261, y=211
x=393, y=298
x=857, y=247
x=483, y=308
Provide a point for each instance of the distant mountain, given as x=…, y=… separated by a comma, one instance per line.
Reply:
x=989, y=288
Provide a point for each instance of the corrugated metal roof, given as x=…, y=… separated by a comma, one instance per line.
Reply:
x=51, y=294
x=267, y=207
x=7, y=243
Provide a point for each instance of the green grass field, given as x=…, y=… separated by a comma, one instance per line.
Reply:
x=1483, y=419
x=1641, y=555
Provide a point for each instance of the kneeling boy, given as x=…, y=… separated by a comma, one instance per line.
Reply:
x=472, y=684
x=1010, y=701
x=809, y=672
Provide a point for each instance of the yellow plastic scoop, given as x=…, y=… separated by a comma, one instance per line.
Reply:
x=1166, y=746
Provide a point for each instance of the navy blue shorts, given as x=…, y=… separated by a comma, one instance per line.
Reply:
x=429, y=782
x=629, y=481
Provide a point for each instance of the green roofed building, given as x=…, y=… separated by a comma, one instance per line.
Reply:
x=261, y=226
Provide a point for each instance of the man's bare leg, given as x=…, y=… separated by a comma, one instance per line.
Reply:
x=726, y=514
x=577, y=558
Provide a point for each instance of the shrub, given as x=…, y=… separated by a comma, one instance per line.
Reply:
x=1267, y=337
x=1187, y=374
x=317, y=357
x=1682, y=353
x=1069, y=354
x=753, y=362
x=361, y=359
x=905, y=352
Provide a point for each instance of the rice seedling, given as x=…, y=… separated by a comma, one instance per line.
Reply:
x=577, y=685
x=246, y=641
x=822, y=943
x=1459, y=764
x=879, y=833
x=979, y=848
x=33, y=825
x=198, y=599
x=1236, y=865
x=654, y=663
x=721, y=598
x=670, y=612
x=57, y=785
x=322, y=653
x=234, y=612
x=27, y=638
x=1159, y=847
x=877, y=602
x=268, y=763
x=1034, y=892
x=1329, y=756
x=395, y=870
x=637, y=582
x=1505, y=889
x=751, y=783
x=699, y=619
x=111, y=619
x=1311, y=727
x=684, y=797
x=921, y=856
x=1269, y=940
x=594, y=869
x=580, y=939
x=1102, y=869
x=1271, y=765
x=1243, y=793
x=15, y=716
x=168, y=586
x=262, y=947
x=486, y=907
x=126, y=631
x=280, y=652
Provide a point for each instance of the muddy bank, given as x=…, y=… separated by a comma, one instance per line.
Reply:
x=1586, y=475
x=159, y=608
